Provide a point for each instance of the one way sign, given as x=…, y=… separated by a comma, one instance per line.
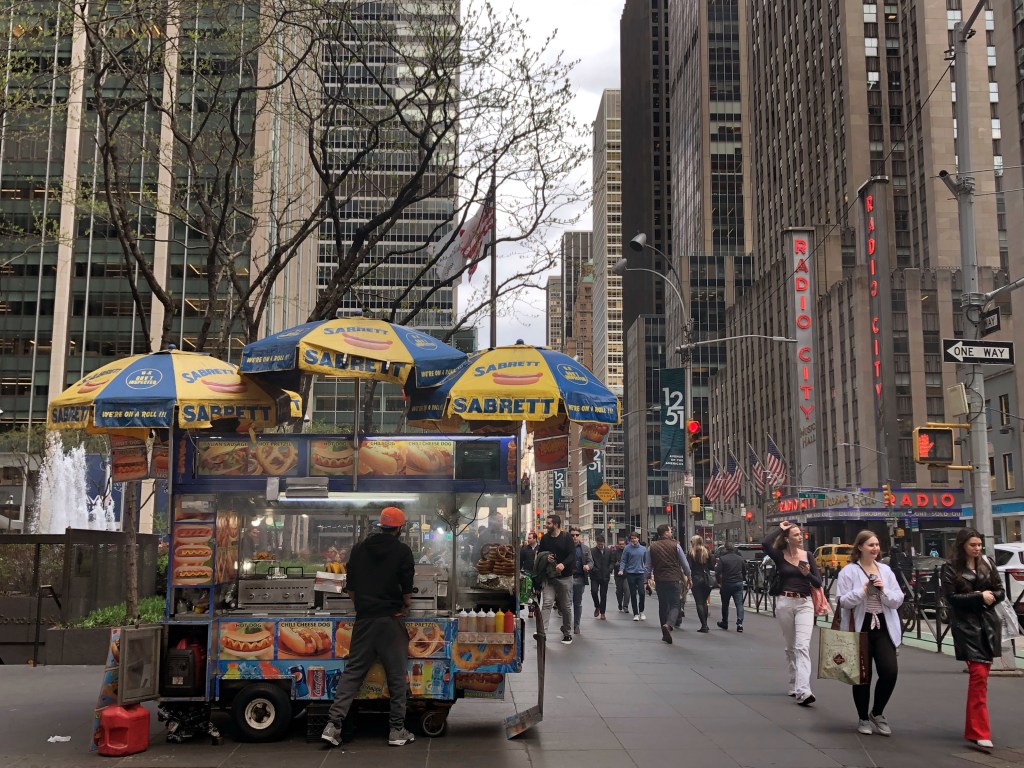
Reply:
x=963, y=351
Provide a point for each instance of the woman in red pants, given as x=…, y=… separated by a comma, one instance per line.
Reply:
x=971, y=586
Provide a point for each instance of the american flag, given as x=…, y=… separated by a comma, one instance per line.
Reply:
x=731, y=481
x=757, y=472
x=714, y=485
x=775, y=465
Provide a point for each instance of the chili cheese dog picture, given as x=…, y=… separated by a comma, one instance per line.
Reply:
x=303, y=640
x=192, y=574
x=331, y=457
x=383, y=458
x=277, y=458
x=430, y=458
x=478, y=681
x=246, y=640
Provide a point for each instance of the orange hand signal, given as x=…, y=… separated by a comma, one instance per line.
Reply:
x=925, y=445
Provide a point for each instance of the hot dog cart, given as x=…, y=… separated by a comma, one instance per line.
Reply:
x=258, y=621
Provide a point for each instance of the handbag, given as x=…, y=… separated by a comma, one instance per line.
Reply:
x=821, y=604
x=1008, y=617
x=843, y=655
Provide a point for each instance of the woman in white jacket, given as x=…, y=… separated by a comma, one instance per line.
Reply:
x=869, y=596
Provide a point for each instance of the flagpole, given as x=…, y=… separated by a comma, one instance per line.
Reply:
x=494, y=258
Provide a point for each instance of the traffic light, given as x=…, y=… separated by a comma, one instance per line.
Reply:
x=933, y=445
x=887, y=495
x=749, y=516
x=693, y=436
x=668, y=509
x=695, y=505
x=776, y=494
x=611, y=526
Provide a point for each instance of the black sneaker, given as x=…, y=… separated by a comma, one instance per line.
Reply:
x=666, y=633
x=739, y=627
x=566, y=639
x=723, y=625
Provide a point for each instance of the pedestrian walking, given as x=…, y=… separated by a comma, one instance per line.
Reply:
x=380, y=574
x=621, y=591
x=580, y=577
x=528, y=553
x=600, y=573
x=868, y=596
x=794, y=608
x=730, y=574
x=971, y=586
x=631, y=566
x=702, y=576
x=667, y=562
x=557, y=591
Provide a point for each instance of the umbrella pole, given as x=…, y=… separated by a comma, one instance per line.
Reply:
x=355, y=436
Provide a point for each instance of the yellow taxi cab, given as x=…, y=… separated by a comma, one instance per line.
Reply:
x=832, y=557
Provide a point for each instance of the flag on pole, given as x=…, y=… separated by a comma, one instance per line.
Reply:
x=775, y=465
x=731, y=481
x=757, y=472
x=714, y=485
x=466, y=246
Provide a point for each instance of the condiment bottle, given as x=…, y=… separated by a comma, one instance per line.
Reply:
x=474, y=621
x=463, y=625
x=510, y=622
x=489, y=620
x=499, y=621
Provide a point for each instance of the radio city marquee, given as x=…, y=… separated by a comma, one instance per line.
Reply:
x=799, y=245
x=868, y=504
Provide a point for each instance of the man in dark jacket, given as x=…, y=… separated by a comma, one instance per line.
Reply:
x=528, y=553
x=380, y=574
x=620, y=580
x=671, y=570
x=729, y=571
x=580, y=577
x=561, y=550
x=600, y=573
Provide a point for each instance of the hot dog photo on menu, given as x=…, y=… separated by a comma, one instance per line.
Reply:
x=191, y=554
x=303, y=639
x=246, y=640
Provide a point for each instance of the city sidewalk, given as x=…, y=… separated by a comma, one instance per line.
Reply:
x=617, y=697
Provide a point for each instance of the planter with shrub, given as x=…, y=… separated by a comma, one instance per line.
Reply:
x=87, y=641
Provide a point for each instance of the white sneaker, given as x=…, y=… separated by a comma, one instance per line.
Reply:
x=643, y=616
x=636, y=617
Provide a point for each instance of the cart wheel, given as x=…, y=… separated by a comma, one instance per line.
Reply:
x=262, y=712
x=434, y=723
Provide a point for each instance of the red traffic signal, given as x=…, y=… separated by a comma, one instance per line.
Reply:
x=668, y=509
x=693, y=426
x=750, y=515
x=776, y=494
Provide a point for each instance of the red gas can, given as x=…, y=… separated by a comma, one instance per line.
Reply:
x=123, y=730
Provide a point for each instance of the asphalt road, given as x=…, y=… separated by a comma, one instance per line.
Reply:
x=617, y=697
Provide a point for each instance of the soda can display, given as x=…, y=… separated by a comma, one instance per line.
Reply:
x=316, y=678
x=332, y=682
x=299, y=676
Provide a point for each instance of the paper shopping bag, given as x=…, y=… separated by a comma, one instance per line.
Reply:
x=843, y=656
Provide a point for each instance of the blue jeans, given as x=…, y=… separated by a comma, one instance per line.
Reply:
x=636, y=587
x=732, y=591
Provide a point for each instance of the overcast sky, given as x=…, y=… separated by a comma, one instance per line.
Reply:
x=587, y=31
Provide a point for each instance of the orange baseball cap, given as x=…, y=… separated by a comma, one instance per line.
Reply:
x=392, y=517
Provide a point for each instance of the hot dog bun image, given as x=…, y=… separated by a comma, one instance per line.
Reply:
x=225, y=383
x=384, y=458
x=429, y=459
x=192, y=534
x=505, y=379
x=594, y=432
x=479, y=681
x=370, y=343
x=331, y=457
x=247, y=640
x=304, y=641
x=192, y=554
x=192, y=574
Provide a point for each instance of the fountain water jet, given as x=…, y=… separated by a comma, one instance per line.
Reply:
x=62, y=497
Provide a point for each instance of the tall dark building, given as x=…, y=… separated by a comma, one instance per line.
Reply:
x=646, y=208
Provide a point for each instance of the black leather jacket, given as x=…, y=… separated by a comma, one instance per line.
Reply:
x=977, y=630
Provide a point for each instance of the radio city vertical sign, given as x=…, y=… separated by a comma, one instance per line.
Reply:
x=874, y=245
x=803, y=322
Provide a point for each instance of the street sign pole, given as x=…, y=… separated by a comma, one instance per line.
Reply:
x=972, y=299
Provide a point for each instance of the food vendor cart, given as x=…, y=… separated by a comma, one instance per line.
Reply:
x=258, y=621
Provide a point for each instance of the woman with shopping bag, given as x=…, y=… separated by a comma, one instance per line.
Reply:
x=971, y=586
x=868, y=597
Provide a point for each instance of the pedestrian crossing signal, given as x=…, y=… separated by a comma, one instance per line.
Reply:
x=933, y=445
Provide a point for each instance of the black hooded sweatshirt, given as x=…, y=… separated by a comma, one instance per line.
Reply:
x=380, y=571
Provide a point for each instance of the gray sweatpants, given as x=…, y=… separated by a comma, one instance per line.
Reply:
x=382, y=638
x=557, y=592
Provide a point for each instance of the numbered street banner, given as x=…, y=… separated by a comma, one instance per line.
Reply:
x=559, y=476
x=673, y=419
x=595, y=475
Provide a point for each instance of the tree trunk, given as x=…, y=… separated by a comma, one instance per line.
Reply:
x=131, y=561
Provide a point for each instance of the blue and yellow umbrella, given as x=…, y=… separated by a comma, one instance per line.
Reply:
x=517, y=383
x=169, y=388
x=354, y=348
